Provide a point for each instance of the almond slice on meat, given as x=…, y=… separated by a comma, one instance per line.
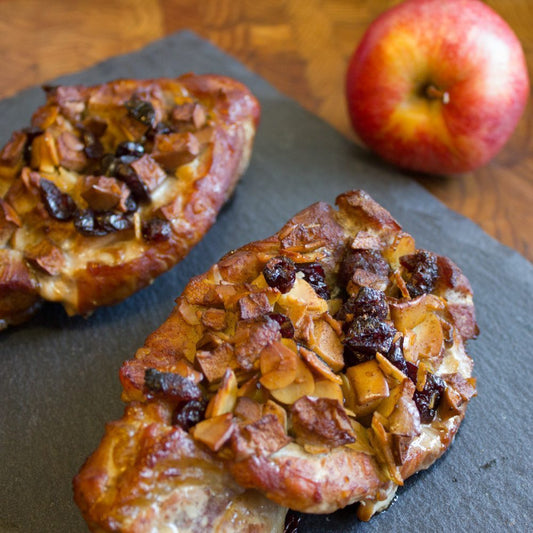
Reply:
x=224, y=400
x=303, y=385
x=278, y=364
x=214, y=432
x=317, y=364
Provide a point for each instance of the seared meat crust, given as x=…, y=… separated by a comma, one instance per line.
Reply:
x=324, y=413
x=112, y=185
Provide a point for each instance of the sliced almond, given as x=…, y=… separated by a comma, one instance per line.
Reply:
x=214, y=432
x=224, y=400
x=362, y=442
x=278, y=365
x=368, y=382
x=190, y=313
x=348, y=392
x=328, y=345
x=394, y=374
x=319, y=365
x=386, y=407
x=303, y=385
x=400, y=283
x=382, y=443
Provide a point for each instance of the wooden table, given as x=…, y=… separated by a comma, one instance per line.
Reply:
x=300, y=46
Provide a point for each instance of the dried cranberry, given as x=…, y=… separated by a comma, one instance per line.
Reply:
x=156, y=230
x=130, y=204
x=129, y=148
x=92, y=224
x=315, y=276
x=161, y=128
x=396, y=357
x=111, y=222
x=141, y=110
x=108, y=164
x=428, y=399
x=171, y=386
x=93, y=147
x=367, y=301
x=31, y=133
x=285, y=325
x=367, y=335
x=369, y=260
x=280, y=273
x=189, y=414
x=85, y=223
x=420, y=272
x=58, y=204
x=127, y=174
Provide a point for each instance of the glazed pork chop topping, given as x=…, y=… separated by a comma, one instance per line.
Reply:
x=329, y=369
x=326, y=363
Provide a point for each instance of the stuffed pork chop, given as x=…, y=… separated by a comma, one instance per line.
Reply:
x=312, y=370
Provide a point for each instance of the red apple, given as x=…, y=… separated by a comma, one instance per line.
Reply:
x=437, y=86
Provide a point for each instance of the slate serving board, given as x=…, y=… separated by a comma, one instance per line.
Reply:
x=59, y=376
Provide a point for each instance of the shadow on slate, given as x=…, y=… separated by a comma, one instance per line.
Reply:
x=59, y=376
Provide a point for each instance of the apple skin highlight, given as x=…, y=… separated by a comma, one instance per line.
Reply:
x=437, y=86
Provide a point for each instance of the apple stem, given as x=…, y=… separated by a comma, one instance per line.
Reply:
x=434, y=93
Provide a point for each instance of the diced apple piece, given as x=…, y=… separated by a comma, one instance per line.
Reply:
x=368, y=382
x=302, y=294
x=407, y=315
x=224, y=400
x=429, y=340
x=272, y=408
x=327, y=344
x=403, y=244
x=319, y=365
x=303, y=385
x=325, y=388
x=278, y=365
x=405, y=418
x=214, y=432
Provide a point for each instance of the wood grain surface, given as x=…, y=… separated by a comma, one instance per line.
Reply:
x=302, y=47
